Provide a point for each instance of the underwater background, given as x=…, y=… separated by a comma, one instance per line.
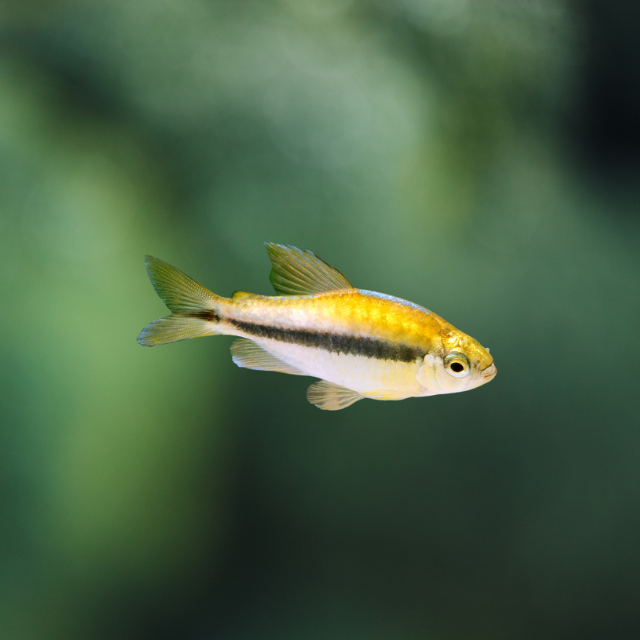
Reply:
x=477, y=157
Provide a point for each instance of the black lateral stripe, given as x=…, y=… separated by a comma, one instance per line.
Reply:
x=206, y=314
x=352, y=345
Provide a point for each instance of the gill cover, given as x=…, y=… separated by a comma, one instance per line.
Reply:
x=433, y=376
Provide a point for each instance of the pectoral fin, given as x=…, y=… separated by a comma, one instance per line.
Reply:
x=331, y=397
x=295, y=272
x=248, y=354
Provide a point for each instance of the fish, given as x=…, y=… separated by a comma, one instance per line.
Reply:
x=360, y=344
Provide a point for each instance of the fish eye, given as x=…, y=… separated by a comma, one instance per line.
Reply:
x=457, y=365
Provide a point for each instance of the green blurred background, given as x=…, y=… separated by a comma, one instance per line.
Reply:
x=479, y=157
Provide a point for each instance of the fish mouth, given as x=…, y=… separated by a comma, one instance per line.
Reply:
x=489, y=372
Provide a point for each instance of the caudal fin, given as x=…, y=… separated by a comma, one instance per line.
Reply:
x=195, y=309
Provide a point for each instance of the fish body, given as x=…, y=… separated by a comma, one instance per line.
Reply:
x=361, y=344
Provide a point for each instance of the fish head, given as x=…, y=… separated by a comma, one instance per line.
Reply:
x=461, y=363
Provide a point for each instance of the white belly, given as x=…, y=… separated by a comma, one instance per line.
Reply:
x=365, y=375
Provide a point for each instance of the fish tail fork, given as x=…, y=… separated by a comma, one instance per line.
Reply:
x=195, y=310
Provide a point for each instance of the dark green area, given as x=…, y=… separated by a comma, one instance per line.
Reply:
x=480, y=158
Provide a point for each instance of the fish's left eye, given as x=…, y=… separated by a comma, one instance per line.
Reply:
x=457, y=365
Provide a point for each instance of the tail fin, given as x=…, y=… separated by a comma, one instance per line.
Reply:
x=195, y=309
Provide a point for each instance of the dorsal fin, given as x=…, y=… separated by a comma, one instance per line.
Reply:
x=296, y=273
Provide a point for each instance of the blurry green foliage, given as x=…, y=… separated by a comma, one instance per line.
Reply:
x=427, y=149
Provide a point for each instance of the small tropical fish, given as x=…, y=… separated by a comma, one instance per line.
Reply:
x=360, y=343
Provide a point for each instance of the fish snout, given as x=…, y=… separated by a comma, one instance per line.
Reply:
x=489, y=372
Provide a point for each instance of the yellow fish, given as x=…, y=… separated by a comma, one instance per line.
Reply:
x=360, y=343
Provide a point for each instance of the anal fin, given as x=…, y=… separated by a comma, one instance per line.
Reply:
x=248, y=354
x=331, y=397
